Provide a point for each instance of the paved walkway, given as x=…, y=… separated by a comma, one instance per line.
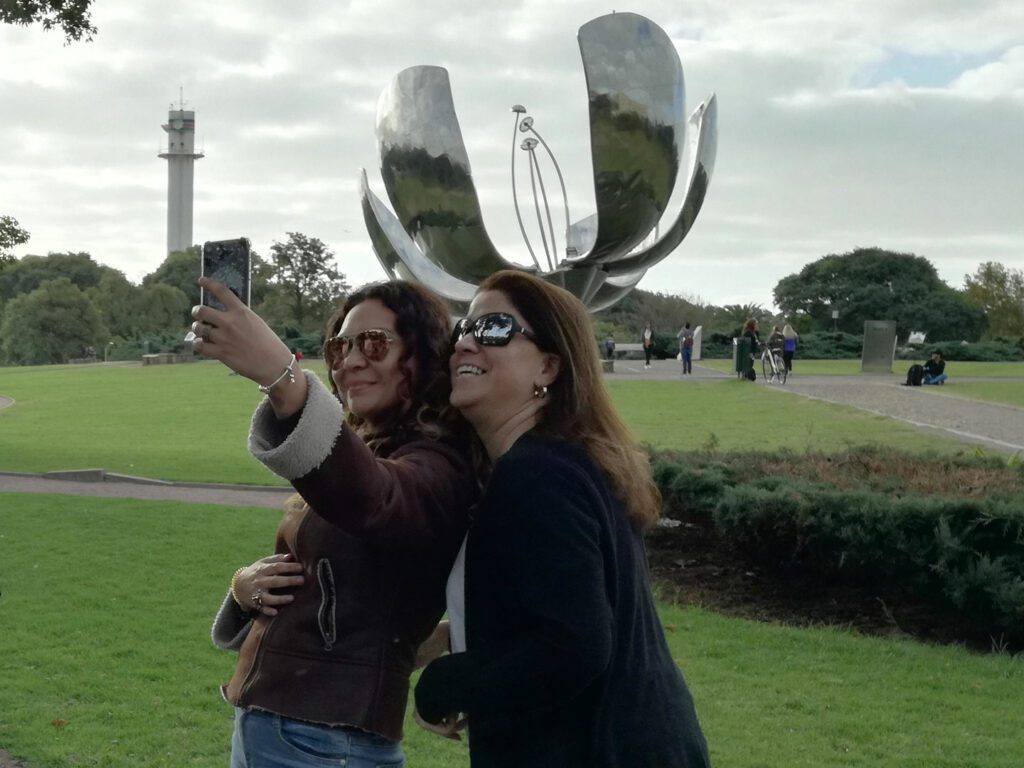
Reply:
x=999, y=427
x=123, y=488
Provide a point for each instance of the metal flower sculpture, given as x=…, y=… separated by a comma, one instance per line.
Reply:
x=639, y=139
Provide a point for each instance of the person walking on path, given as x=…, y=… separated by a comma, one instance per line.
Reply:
x=609, y=347
x=647, y=339
x=789, y=339
x=685, y=337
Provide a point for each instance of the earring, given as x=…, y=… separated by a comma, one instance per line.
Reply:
x=540, y=391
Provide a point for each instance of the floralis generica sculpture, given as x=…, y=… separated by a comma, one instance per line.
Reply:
x=642, y=145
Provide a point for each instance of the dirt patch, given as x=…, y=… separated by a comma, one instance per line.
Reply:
x=6, y=761
x=692, y=566
x=892, y=472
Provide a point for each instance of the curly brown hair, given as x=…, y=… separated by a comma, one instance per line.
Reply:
x=579, y=408
x=423, y=322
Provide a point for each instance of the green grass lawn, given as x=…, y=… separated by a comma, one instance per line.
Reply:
x=189, y=422
x=850, y=367
x=732, y=415
x=175, y=422
x=1006, y=392
x=106, y=660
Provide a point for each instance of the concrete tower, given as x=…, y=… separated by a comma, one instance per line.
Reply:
x=181, y=157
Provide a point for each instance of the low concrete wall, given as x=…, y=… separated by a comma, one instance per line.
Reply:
x=167, y=358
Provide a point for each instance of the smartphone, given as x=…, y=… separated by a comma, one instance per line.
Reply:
x=228, y=262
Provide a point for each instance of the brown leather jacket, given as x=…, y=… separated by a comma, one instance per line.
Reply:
x=377, y=539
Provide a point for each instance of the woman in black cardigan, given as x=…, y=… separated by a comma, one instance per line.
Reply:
x=567, y=663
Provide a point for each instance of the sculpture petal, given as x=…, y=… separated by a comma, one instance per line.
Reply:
x=703, y=135
x=400, y=257
x=427, y=175
x=614, y=289
x=637, y=123
x=582, y=282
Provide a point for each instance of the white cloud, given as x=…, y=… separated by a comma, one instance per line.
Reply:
x=826, y=140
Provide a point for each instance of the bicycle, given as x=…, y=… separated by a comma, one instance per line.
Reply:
x=773, y=366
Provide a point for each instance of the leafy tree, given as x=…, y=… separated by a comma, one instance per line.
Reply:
x=28, y=273
x=161, y=308
x=52, y=324
x=875, y=284
x=118, y=303
x=181, y=270
x=11, y=234
x=309, y=283
x=72, y=16
x=1000, y=292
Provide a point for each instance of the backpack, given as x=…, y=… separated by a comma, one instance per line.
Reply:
x=915, y=375
x=688, y=342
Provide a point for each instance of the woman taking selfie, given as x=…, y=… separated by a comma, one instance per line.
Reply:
x=327, y=628
x=566, y=663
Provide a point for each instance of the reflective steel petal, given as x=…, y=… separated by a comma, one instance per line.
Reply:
x=614, y=289
x=400, y=257
x=637, y=123
x=703, y=135
x=427, y=175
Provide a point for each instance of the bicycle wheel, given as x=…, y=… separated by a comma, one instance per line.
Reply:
x=780, y=366
x=766, y=369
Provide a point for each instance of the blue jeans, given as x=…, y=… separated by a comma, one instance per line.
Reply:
x=935, y=379
x=266, y=740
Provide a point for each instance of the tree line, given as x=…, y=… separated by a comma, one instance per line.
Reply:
x=838, y=292
x=65, y=306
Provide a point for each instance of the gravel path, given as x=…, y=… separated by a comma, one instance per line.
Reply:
x=930, y=408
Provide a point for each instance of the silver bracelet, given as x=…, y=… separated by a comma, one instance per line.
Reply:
x=289, y=372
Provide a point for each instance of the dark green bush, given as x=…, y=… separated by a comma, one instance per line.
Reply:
x=964, y=551
x=996, y=351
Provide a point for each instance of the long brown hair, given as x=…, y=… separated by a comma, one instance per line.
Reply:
x=423, y=323
x=579, y=408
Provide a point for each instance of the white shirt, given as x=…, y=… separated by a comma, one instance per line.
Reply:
x=455, y=597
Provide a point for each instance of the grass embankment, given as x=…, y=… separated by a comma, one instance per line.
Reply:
x=106, y=659
x=189, y=422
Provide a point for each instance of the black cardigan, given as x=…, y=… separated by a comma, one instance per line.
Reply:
x=567, y=662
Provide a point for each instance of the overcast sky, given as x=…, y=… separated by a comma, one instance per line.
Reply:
x=842, y=123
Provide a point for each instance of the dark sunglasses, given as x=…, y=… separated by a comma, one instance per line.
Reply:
x=373, y=344
x=495, y=329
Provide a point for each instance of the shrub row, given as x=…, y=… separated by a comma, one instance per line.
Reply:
x=960, y=551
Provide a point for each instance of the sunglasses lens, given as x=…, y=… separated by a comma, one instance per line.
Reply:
x=374, y=345
x=460, y=329
x=334, y=350
x=495, y=329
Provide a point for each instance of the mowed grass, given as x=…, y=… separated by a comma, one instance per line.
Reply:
x=1005, y=392
x=851, y=367
x=734, y=415
x=175, y=422
x=189, y=422
x=106, y=660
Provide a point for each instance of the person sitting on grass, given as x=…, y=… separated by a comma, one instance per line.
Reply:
x=935, y=369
